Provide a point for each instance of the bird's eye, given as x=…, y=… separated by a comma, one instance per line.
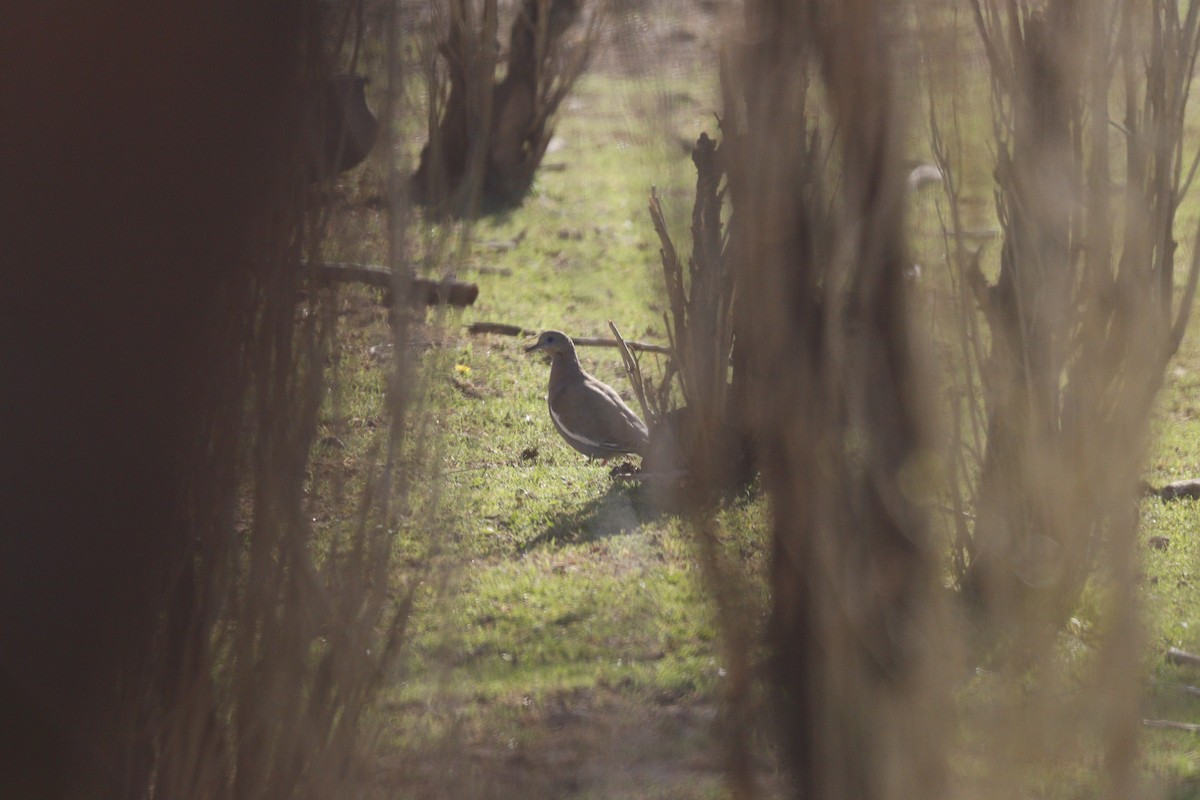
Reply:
x=549, y=339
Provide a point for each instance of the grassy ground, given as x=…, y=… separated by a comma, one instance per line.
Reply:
x=563, y=645
x=576, y=642
x=1171, y=565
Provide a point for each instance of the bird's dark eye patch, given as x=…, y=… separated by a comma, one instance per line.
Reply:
x=549, y=339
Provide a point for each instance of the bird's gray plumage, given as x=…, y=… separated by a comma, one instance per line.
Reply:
x=587, y=413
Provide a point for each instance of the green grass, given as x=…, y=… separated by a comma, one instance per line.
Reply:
x=546, y=584
x=557, y=603
x=1171, y=587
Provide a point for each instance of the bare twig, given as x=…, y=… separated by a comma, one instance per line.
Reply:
x=673, y=280
x=634, y=371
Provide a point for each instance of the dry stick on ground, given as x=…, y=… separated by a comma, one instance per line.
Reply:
x=504, y=329
x=1182, y=688
x=422, y=291
x=1171, y=724
x=1182, y=657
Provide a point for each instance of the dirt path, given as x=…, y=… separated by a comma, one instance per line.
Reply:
x=587, y=743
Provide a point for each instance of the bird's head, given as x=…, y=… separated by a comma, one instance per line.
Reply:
x=552, y=343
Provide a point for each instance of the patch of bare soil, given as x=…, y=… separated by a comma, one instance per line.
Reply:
x=586, y=743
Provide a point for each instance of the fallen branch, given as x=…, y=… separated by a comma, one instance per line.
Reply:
x=1185, y=688
x=498, y=328
x=422, y=291
x=1179, y=490
x=595, y=341
x=642, y=477
x=1182, y=657
x=1170, y=724
x=504, y=329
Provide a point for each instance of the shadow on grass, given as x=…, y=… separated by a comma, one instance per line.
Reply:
x=622, y=509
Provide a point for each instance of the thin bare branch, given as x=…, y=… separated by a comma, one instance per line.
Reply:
x=633, y=370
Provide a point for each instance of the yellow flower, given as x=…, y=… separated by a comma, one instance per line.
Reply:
x=461, y=369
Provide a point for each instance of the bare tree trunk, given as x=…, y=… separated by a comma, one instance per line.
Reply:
x=1082, y=321
x=1030, y=340
x=1078, y=331
x=166, y=631
x=485, y=148
x=833, y=381
x=143, y=155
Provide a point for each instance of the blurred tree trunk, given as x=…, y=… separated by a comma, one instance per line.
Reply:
x=1038, y=180
x=1070, y=347
x=142, y=158
x=834, y=400
x=487, y=140
x=1082, y=315
x=166, y=632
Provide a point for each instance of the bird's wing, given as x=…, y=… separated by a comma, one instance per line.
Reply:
x=594, y=413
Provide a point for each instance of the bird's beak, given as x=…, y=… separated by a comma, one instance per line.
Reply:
x=532, y=348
